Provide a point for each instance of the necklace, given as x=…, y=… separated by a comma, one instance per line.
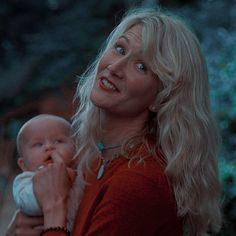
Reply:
x=102, y=147
x=101, y=169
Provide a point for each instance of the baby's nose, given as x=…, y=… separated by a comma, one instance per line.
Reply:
x=49, y=146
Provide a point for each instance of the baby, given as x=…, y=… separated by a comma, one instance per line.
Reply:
x=40, y=139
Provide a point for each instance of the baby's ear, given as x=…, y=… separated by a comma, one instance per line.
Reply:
x=153, y=108
x=21, y=163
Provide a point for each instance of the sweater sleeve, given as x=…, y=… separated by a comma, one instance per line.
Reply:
x=133, y=204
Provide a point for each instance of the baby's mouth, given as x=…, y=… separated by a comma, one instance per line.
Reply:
x=48, y=160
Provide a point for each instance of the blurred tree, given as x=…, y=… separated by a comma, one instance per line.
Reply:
x=45, y=44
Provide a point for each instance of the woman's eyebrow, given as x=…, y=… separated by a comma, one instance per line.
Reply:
x=125, y=38
x=128, y=41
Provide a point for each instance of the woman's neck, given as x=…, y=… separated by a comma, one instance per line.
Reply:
x=115, y=130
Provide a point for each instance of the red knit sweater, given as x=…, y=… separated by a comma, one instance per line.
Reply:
x=135, y=200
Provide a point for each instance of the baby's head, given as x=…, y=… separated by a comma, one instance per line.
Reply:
x=42, y=138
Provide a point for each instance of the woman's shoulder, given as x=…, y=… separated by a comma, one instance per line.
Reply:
x=142, y=172
x=144, y=163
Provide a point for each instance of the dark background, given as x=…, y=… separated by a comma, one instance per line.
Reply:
x=45, y=45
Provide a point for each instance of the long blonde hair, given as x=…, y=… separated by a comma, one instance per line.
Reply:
x=183, y=126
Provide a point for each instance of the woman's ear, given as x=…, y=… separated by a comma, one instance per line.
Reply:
x=21, y=163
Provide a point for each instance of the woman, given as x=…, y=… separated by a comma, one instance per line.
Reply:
x=146, y=136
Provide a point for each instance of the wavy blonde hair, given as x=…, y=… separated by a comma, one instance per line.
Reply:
x=183, y=126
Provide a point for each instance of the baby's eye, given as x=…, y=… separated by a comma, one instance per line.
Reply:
x=120, y=49
x=58, y=141
x=142, y=67
x=38, y=144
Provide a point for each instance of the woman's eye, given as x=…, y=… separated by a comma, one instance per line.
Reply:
x=142, y=67
x=120, y=50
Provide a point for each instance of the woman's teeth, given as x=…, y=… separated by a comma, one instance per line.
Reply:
x=108, y=85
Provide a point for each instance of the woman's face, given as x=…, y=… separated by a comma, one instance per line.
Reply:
x=125, y=85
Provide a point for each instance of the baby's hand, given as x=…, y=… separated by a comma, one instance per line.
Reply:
x=71, y=172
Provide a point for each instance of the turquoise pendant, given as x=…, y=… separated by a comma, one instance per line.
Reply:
x=101, y=169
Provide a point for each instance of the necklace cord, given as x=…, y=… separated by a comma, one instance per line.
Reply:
x=102, y=147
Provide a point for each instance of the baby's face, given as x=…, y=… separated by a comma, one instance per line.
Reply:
x=43, y=139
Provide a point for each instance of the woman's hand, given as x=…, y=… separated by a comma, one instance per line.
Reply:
x=72, y=173
x=51, y=187
x=23, y=225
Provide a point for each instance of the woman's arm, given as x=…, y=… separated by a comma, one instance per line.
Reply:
x=22, y=225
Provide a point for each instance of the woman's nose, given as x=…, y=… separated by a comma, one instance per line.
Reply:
x=117, y=67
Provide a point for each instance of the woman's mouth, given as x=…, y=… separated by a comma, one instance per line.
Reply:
x=107, y=85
